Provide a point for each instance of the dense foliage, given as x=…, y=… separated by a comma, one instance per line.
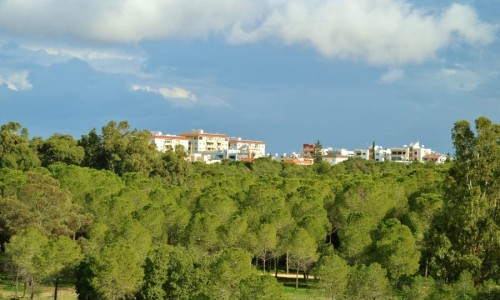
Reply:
x=123, y=221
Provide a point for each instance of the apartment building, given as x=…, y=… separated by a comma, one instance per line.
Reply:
x=201, y=142
x=165, y=142
x=207, y=147
x=377, y=153
x=246, y=148
x=406, y=154
x=309, y=151
x=413, y=152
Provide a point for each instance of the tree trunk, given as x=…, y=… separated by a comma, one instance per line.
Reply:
x=276, y=267
x=264, y=264
x=56, y=284
x=32, y=294
x=17, y=284
x=297, y=279
x=287, y=269
x=426, y=267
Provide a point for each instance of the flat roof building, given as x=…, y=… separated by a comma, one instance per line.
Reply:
x=165, y=142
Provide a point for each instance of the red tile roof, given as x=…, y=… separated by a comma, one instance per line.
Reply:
x=302, y=162
x=168, y=137
x=246, y=159
x=193, y=134
x=246, y=142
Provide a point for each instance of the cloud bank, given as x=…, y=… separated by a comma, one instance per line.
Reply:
x=383, y=32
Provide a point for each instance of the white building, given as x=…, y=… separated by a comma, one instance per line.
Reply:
x=382, y=154
x=435, y=158
x=400, y=154
x=246, y=149
x=377, y=153
x=362, y=153
x=165, y=142
x=417, y=152
x=334, y=158
x=201, y=142
x=413, y=152
x=214, y=147
x=345, y=152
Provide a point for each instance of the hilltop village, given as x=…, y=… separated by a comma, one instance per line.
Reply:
x=211, y=148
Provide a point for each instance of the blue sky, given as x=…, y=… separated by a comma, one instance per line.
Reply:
x=346, y=72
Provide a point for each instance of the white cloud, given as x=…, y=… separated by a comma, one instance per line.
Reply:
x=392, y=75
x=182, y=97
x=119, y=20
x=460, y=79
x=174, y=93
x=16, y=81
x=387, y=32
x=101, y=59
x=448, y=72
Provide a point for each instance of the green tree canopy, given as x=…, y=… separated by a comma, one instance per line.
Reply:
x=59, y=258
x=368, y=283
x=23, y=251
x=303, y=252
x=15, y=150
x=117, y=271
x=396, y=250
x=60, y=148
x=332, y=271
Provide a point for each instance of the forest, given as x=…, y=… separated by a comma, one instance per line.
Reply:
x=111, y=215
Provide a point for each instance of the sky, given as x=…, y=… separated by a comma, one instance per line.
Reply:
x=286, y=72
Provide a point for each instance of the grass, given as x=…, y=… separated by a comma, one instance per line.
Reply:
x=8, y=290
x=65, y=292
x=300, y=294
x=305, y=291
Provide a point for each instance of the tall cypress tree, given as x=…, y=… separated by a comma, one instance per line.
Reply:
x=318, y=152
x=373, y=151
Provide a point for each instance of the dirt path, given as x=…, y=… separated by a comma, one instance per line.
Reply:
x=289, y=275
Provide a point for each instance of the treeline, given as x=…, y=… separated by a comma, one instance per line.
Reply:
x=123, y=221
